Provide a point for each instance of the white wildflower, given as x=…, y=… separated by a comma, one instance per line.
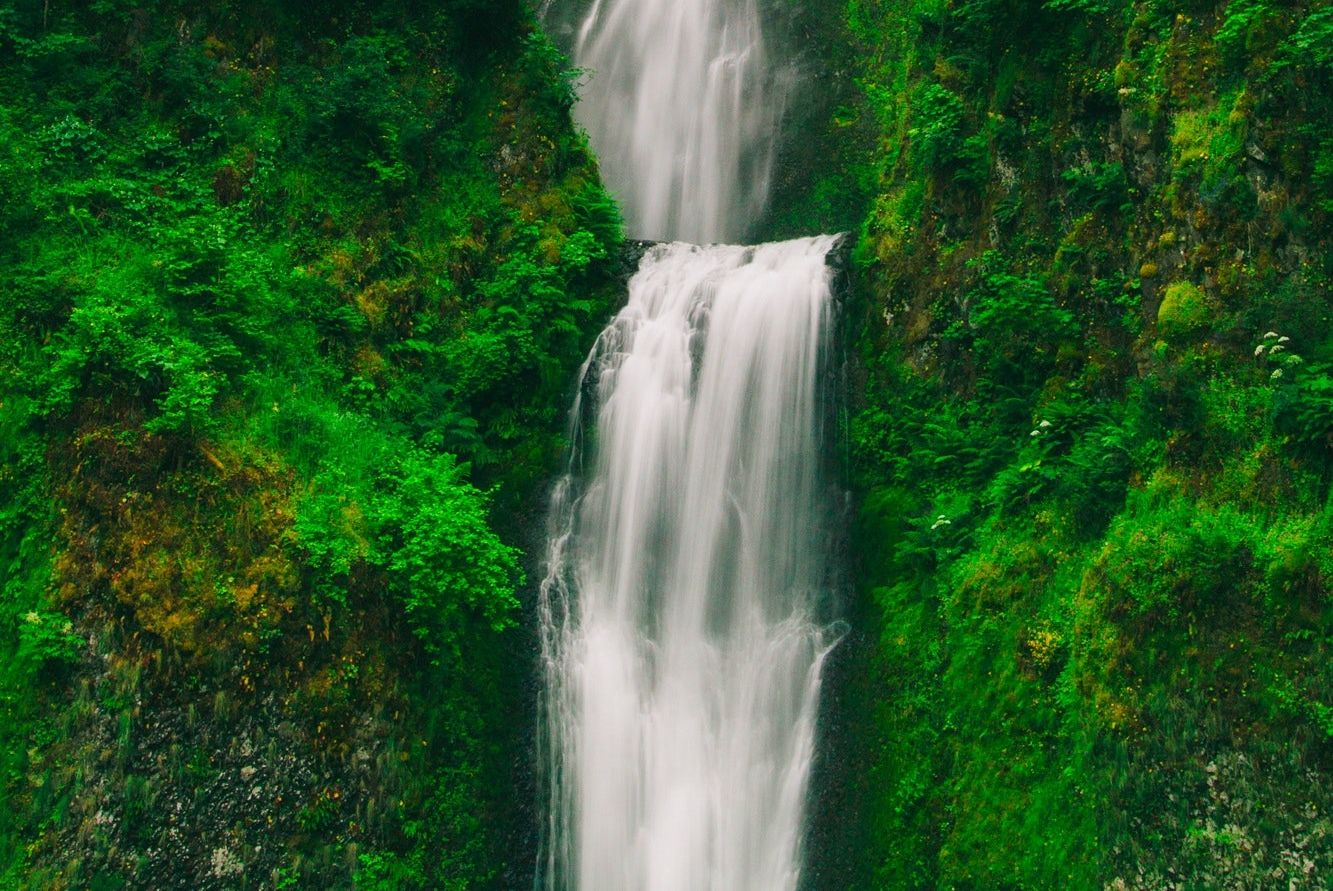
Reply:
x=1283, y=339
x=1044, y=424
x=1277, y=348
x=32, y=618
x=941, y=520
x=1276, y=374
x=1034, y=433
x=1271, y=335
x=1258, y=351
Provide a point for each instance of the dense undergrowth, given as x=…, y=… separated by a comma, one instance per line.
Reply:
x=1092, y=445
x=289, y=303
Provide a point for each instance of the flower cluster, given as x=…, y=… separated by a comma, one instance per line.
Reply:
x=1274, y=350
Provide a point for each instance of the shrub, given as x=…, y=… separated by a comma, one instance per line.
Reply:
x=441, y=556
x=937, y=119
x=1322, y=176
x=48, y=641
x=1312, y=44
x=1242, y=24
x=412, y=515
x=1015, y=324
x=1303, y=409
x=1087, y=7
x=1098, y=186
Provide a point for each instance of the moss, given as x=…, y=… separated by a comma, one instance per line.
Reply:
x=1185, y=310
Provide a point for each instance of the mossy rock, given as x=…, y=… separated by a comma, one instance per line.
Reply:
x=1185, y=310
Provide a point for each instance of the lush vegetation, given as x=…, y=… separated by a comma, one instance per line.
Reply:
x=1092, y=444
x=291, y=302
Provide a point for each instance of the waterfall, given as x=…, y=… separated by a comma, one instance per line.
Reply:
x=687, y=557
x=683, y=608
x=683, y=102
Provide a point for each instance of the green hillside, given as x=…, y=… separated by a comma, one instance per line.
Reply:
x=291, y=303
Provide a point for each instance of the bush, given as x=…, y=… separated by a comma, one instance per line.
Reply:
x=1098, y=186
x=1312, y=44
x=441, y=556
x=937, y=120
x=1087, y=7
x=1322, y=176
x=1303, y=409
x=1075, y=454
x=1243, y=22
x=1015, y=325
x=47, y=640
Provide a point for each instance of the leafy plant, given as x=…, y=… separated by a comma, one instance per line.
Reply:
x=937, y=121
x=48, y=641
x=1098, y=186
x=1303, y=408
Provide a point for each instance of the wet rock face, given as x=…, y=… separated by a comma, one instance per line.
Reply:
x=237, y=794
x=212, y=791
x=1225, y=812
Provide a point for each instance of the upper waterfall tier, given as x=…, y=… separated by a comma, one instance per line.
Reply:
x=682, y=102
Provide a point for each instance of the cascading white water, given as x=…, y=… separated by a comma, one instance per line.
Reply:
x=683, y=103
x=687, y=560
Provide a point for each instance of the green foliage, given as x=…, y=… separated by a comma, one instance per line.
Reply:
x=1088, y=7
x=318, y=816
x=439, y=552
x=1098, y=186
x=1086, y=557
x=1077, y=456
x=1175, y=561
x=1303, y=408
x=412, y=515
x=47, y=640
x=1322, y=176
x=937, y=123
x=1210, y=142
x=309, y=285
x=1311, y=46
x=1243, y=24
x=1014, y=325
x=379, y=871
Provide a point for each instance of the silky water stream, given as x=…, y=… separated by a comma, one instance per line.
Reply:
x=684, y=609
